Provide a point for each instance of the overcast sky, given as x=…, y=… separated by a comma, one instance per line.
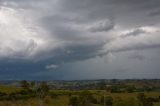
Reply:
x=79, y=39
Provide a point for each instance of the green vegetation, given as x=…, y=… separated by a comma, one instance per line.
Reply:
x=9, y=89
x=42, y=94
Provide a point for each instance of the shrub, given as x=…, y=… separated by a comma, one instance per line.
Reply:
x=74, y=101
x=107, y=100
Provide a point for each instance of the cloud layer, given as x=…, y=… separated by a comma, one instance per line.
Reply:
x=51, y=33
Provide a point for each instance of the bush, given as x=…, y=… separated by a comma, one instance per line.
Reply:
x=84, y=99
x=130, y=89
x=144, y=101
x=74, y=101
x=115, y=89
x=108, y=100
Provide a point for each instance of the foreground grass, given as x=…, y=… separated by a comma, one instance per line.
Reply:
x=61, y=97
x=9, y=89
x=64, y=100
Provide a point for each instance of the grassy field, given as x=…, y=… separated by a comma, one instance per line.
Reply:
x=9, y=89
x=63, y=100
x=61, y=97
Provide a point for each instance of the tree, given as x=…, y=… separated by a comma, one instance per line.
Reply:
x=42, y=92
x=43, y=89
x=32, y=84
x=24, y=84
x=102, y=85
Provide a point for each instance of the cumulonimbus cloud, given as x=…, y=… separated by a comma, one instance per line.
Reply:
x=64, y=34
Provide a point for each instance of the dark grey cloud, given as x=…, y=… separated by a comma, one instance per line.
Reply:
x=138, y=4
x=137, y=56
x=155, y=13
x=137, y=47
x=51, y=33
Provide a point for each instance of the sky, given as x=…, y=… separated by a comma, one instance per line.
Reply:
x=79, y=39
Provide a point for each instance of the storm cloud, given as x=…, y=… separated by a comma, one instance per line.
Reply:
x=49, y=34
